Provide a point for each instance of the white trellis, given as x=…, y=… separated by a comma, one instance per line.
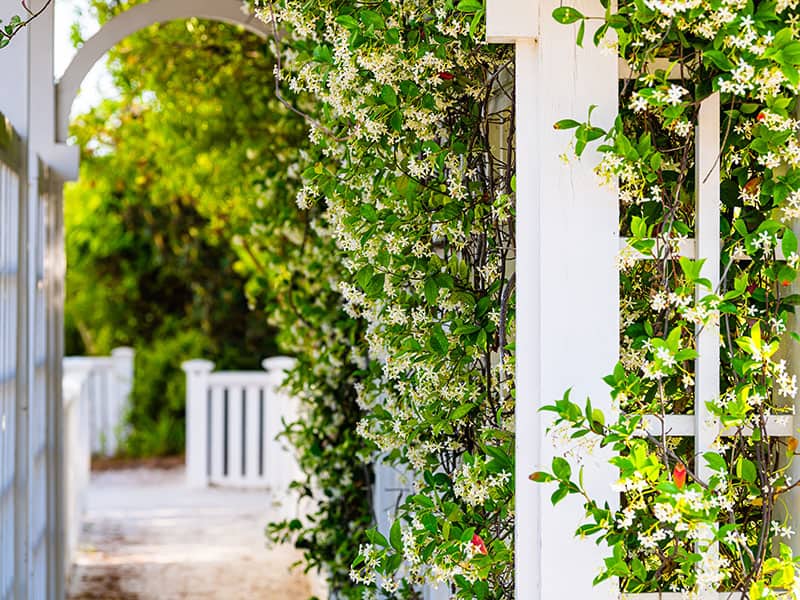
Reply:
x=10, y=149
x=106, y=390
x=586, y=220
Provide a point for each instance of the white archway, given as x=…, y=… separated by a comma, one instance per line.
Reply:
x=128, y=23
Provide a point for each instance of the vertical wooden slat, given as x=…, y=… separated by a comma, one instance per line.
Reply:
x=707, y=241
x=707, y=245
x=235, y=434
x=217, y=425
x=252, y=412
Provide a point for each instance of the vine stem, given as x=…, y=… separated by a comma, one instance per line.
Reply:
x=26, y=22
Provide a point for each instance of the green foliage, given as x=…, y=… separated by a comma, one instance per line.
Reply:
x=701, y=520
x=412, y=170
x=151, y=223
x=377, y=234
x=157, y=414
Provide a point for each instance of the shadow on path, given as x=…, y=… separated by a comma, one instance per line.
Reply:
x=147, y=536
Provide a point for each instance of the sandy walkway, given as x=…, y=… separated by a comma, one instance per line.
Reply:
x=148, y=537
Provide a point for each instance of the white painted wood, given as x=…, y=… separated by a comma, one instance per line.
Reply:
x=508, y=21
x=677, y=596
x=77, y=450
x=686, y=426
x=707, y=243
x=253, y=448
x=235, y=435
x=228, y=378
x=562, y=341
x=529, y=426
x=280, y=408
x=109, y=382
x=122, y=359
x=217, y=437
x=9, y=385
x=197, y=449
x=687, y=248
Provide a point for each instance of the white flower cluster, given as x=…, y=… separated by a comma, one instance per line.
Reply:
x=474, y=484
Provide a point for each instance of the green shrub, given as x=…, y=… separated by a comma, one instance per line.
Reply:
x=158, y=400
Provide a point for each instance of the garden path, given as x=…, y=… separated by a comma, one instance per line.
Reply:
x=147, y=536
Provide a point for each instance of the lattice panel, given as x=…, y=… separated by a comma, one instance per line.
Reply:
x=9, y=269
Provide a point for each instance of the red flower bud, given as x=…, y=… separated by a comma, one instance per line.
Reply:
x=446, y=76
x=785, y=283
x=760, y=116
x=679, y=475
x=480, y=547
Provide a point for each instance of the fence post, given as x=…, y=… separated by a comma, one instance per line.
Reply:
x=197, y=372
x=122, y=365
x=282, y=467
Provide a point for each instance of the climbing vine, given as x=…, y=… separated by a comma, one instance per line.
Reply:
x=675, y=530
x=410, y=175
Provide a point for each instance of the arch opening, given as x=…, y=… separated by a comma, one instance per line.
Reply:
x=131, y=21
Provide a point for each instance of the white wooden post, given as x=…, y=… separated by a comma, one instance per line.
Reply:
x=122, y=364
x=197, y=372
x=707, y=246
x=567, y=239
x=281, y=467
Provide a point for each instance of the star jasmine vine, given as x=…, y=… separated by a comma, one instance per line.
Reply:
x=675, y=530
x=409, y=176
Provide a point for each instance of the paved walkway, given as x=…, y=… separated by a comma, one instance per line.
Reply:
x=148, y=537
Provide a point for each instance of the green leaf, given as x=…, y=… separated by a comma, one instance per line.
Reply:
x=746, y=470
x=790, y=53
x=371, y=19
x=561, y=468
x=567, y=14
x=718, y=59
x=389, y=96
x=438, y=341
x=430, y=522
x=716, y=462
x=541, y=477
x=559, y=494
x=368, y=212
x=566, y=124
x=374, y=536
x=396, y=537
x=788, y=243
x=431, y=290
x=469, y=6
x=461, y=411
x=347, y=22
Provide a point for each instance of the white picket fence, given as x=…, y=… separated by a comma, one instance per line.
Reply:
x=95, y=398
x=106, y=383
x=233, y=419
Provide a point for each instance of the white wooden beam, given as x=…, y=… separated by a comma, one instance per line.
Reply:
x=686, y=426
x=509, y=21
x=687, y=248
